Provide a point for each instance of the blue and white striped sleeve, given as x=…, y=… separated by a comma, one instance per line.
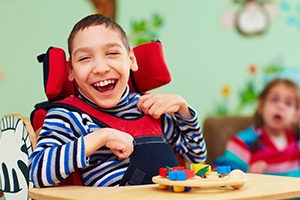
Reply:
x=186, y=137
x=60, y=148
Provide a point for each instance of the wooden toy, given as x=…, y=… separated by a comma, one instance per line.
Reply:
x=180, y=180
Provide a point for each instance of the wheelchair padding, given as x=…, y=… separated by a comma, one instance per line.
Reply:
x=153, y=71
x=55, y=67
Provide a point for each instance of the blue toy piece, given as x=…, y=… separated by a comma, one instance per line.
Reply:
x=179, y=175
x=223, y=170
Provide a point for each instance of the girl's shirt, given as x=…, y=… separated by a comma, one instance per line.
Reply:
x=60, y=149
x=252, y=145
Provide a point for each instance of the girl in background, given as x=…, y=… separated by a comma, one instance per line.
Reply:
x=271, y=144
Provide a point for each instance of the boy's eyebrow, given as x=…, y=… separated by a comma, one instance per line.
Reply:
x=113, y=44
x=83, y=49
x=108, y=45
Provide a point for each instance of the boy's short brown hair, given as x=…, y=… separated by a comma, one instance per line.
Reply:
x=93, y=20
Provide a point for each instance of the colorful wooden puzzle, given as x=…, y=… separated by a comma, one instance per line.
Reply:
x=180, y=179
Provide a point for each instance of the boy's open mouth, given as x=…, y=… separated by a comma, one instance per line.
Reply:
x=105, y=86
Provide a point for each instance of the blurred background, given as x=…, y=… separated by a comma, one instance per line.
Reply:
x=220, y=53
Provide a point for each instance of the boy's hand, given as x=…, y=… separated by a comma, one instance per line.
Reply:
x=158, y=104
x=120, y=143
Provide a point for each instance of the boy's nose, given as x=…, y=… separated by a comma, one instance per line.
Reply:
x=100, y=67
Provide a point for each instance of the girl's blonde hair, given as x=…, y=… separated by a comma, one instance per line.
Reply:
x=257, y=119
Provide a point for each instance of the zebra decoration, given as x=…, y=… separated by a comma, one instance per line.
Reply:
x=15, y=148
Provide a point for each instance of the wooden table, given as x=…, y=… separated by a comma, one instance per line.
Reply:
x=257, y=187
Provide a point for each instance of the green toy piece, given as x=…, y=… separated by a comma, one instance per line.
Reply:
x=202, y=172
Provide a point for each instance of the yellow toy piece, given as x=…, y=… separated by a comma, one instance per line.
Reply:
x=197, y=167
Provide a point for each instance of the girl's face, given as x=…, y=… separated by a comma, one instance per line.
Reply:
x=101, y=65
x=279, y=109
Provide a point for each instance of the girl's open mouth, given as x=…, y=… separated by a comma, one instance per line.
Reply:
x=277, y=117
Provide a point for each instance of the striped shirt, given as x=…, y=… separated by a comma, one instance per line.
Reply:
x=252, y=145
x=60, y=149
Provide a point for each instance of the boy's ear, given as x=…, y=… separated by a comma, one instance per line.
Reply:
x=133, y=63
x=70, y=71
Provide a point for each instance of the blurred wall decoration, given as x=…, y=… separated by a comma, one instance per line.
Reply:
x=144, y=30
x=250, y=17
x=105, y=7
x=291, y=12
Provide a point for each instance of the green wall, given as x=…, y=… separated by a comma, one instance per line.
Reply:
x=202, y=54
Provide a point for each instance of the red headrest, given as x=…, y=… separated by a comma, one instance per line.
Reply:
x=152, y=73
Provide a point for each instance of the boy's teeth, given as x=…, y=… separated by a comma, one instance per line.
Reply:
x=104, y=83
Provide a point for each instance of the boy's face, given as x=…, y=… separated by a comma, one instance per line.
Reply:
x=101, y=65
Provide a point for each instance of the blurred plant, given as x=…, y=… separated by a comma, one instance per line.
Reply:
x=221, y=108
x=247, y=96
x=143, y=31
x=271, y=71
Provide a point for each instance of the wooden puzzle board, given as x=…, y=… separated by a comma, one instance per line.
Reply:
x=236, y=179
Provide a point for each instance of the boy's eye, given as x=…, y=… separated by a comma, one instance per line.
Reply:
x=83, y=58
x=112, y=53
